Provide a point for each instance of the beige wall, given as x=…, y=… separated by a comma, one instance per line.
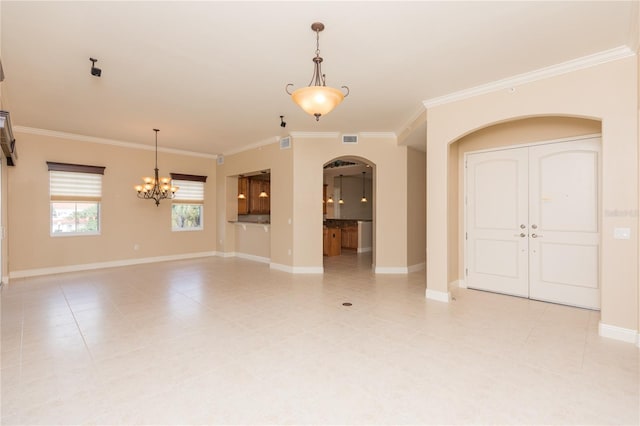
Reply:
x=389, y=200
x=416, y=206
x=125, y=219
x=279, y=161
x=606, y=92
x=253, y=241
x=517, y=132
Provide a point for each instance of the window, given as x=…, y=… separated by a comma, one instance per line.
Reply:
x=187, y=207
x=75, y=192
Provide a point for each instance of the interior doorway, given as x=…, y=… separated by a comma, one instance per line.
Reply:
x=348, y=197
x=532, y=222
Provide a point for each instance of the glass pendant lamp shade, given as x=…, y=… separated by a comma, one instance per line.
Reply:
x=364, y=197
x=317, y=100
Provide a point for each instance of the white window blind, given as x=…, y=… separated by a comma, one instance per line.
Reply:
x=73, y=186
x=189, y=191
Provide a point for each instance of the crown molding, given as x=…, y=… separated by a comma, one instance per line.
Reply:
x=336, y=135
x=102, y=141
x=264, y=142
x=599, y=58
x=323, y=135
x=378, y=135
x=411, y=122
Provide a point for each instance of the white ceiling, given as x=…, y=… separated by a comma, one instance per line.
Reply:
x=211, y=75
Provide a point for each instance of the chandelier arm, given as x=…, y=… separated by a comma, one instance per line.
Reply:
x=286, y=88
x=348, y=91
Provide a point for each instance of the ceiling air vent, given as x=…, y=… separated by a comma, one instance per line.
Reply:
x=349, y=139
x=220, y=159
x=285, y=143
x=7, y=142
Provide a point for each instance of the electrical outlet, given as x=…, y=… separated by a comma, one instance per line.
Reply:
x=622, y=233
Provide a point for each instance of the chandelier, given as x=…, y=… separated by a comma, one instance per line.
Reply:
x=317, y=99
x=155, y=188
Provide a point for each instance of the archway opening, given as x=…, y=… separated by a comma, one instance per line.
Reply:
x=348, y=232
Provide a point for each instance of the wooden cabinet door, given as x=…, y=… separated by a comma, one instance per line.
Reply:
x=243, y=188
x=324, y=199
x=257, y=204
x=265, y=202
x=254, y=199
x=345, y=238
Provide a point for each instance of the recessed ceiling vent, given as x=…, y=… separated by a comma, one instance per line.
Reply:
x=349, y=139
x=7, y=141
x=285, y=143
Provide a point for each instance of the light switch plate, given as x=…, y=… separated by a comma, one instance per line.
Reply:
x=622, y=233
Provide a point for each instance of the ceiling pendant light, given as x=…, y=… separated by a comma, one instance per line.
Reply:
x=317, y=99
x=340, y=201
x=156, y=188
x=364, y=198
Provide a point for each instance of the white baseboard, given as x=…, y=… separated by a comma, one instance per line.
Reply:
x=417, y=267
x=618, y=333
x=391, y=270
x=255, y=258
x=364, y=249
x=440, y=296
x=297, y=269
x=100, y=265
x=5, y=279
x=226, y=254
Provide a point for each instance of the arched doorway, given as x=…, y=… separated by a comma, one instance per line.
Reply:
x=348, y=213
x=527, y=138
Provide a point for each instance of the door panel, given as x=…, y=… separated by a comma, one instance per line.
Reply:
x=563, y=208
x=497, y=207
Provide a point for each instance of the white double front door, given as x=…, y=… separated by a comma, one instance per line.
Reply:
x=532, y=223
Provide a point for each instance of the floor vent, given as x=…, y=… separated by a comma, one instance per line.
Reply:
x=349, y=139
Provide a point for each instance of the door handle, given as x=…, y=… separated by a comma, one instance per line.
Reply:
x=521, y=235
x=536, y=236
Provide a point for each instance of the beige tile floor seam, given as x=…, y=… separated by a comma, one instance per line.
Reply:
x=229, y=341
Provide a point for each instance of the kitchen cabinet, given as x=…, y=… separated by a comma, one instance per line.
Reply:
x=324, y=199
x=331, y=241
x=257, y=204
x=349, y=238
x=243, y=188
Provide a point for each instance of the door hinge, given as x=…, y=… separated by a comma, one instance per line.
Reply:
x=466, y=236
x=465, y=164
x=466, y=272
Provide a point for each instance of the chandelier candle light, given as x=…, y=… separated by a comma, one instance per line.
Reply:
x=156, y=188
x=317, y=99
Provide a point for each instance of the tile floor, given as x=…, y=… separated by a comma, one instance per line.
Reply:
x=228, y=341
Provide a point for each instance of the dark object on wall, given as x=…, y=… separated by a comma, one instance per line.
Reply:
x=95, y=71
x=7, y=141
